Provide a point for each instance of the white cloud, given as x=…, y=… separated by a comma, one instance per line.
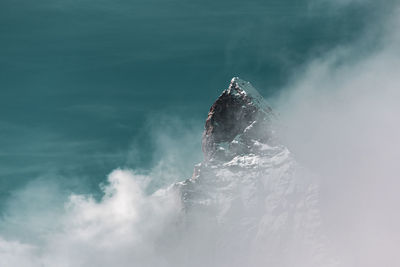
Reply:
x=342, y=120
x=123, y=227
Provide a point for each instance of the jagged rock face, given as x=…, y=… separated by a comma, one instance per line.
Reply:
x=236, y=114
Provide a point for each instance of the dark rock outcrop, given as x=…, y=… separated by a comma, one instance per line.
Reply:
x=237, y=118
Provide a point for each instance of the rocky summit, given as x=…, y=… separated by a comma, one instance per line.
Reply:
x=250, y=188
x=238, y=118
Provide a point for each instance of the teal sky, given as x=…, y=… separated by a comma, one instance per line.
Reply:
x=88, y=86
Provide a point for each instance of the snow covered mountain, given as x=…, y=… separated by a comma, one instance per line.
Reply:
x=249, y=200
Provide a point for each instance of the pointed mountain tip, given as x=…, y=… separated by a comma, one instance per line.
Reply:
x=237, y=80
x=239, y=86
x=238, y=83
x=232, y=113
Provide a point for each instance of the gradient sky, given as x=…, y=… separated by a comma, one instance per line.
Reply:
x=85, y=86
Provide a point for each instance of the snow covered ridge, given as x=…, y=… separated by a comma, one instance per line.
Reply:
x=261, y=205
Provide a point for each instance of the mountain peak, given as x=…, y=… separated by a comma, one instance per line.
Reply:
x=233, y=119
x=240, y=86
